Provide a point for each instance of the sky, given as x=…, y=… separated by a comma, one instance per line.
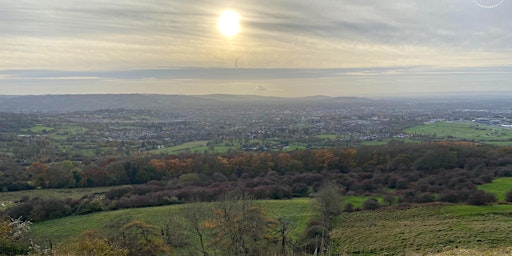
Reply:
x=286, y=48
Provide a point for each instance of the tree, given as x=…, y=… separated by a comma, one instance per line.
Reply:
x=142, y=239
x=508, y=196
x=284, y=227
x=328, y=202
x=14, y=238
x=371, y=204
x=137, y=237
x=90, y=243
x=193, y=219
x=239, y=226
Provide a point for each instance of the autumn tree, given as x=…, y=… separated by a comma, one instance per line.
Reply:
x=190, y=228
x=239, y=226
x=137, y=237
x=91, y=243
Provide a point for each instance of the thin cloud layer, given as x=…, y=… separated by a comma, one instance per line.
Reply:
x=372, y=46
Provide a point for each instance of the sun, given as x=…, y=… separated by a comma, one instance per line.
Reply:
x=229, y=23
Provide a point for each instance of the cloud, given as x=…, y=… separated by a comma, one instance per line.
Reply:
x=290, y=33
x=362, y=44
x=261, y=88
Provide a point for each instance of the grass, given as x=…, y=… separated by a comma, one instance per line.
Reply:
x=386, y=141
x=498, y=187
x=298, y=211
x=327, y=136
x=295, y=146
x=423, y=230
x=426, y=229
x=357, y=201
x=465, y=131
x=473, y=211
x=38, y=129
x=193, y=146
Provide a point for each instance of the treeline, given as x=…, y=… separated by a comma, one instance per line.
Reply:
x=403, y=163
x=426, y=172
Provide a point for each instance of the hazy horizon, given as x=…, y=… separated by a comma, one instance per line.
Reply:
x=288, y=48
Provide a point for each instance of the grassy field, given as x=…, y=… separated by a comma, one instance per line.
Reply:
x=298, y=211
x=465, y=131
x=498, y=187
x=386, y=141
x=38, y=129
x=327, y=136
x=423, y=230
x=414, y=230
x=193, y=146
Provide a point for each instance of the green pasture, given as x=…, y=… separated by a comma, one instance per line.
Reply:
x=38, y=129
x=386, y=141
x=71, y=129
x=327, y=136
x=423, y=230
x=298, y=211
x=498, y=187
x=295, y=146
x=465, y=131
x=193, y=146
x=357, y=201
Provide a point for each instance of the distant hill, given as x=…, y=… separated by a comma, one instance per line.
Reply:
x=91, y=102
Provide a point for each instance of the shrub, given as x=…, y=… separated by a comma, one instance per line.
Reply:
x=348, y=208
x=300, y=189
x=389, y=199
x=117, y=193
x=508, y=196
x=449, y=197
x=479, y=197
x=371, y=204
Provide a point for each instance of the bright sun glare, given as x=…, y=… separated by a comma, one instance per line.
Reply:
x=229, y=23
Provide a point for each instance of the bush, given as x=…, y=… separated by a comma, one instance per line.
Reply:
x=371, y=204
x=508, y=196
x=50, y=209
x=300, y=189
x=117, y=193
x=480, y=197
x=348, y=208
x=449, y=197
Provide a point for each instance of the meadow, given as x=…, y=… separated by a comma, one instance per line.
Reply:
x=297, y=211
x=464, y=131
x=498, y=187
x=435, y=228
x=423, y=229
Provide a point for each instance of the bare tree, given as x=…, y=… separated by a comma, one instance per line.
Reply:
x=239, y=225
x=194, y=216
